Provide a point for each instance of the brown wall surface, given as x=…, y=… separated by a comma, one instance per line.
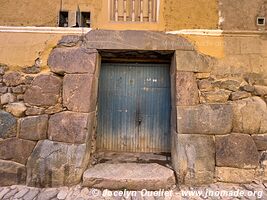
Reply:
x=241, y=15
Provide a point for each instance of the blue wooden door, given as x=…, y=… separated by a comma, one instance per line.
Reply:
x=134, y=108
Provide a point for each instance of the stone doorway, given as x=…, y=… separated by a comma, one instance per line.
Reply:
x=76, y=61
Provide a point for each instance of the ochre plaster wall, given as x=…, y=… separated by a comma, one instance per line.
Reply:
x=22, y=49
x=234, y=54
x=173, y=15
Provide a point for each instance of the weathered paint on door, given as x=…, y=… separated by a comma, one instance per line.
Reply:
x=134, y=108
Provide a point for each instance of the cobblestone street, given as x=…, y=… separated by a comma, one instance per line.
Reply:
x=253, y=191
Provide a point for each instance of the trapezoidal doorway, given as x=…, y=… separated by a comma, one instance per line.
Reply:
x=134, y=106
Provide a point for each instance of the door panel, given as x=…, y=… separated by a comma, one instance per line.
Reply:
x=134, y=108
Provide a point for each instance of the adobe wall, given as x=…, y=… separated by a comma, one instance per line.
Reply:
x=218, y=119
x=19, y=13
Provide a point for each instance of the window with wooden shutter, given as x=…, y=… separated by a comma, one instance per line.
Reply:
x=134, y=10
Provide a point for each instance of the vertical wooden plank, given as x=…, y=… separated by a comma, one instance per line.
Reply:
x=133, y=10
x=116, y=10
x=141, y=11
x=149, y=10
x=124, y=10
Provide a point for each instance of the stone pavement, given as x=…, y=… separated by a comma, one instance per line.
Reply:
x=252, y=191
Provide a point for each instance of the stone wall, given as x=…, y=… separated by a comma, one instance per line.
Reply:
x=221, y=124
x=47, y=120
x=219, y=114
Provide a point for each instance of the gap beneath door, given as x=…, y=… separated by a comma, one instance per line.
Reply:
x=123, y=157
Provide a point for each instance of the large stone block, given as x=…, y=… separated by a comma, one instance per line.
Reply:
x=15, y=149
x=250, y=116
x=193, y=158
x=54, y=164
x=80, y=92
x=260, y=141
x=204, y=119
x=186, y=89
x=234, y=175
x=33, y=127
x=8, y=125
x=236, y=150
x=12, y=173
x=191, y=61
x=72, y=60
x=69, y=127
x=44, y=91
x=130, y=176
x=134, y=40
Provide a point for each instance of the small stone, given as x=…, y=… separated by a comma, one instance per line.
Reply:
x=202, y=75
x=260, y=141
x=84, y=192
x=13, y=79
x=219, y=96
x=20, y=97
x=4, y=192
x=47, y=194
x=32, y=70
x=248, y=88
x=31, y=194
x=62, y=193
x=3, y=69
x=260, y=90
x=28, y=79
x=17, y=109
x=10, y=194
x=54, y=109
x=205, y=85
x=7, y=98
x=34, y=111
x=19, y=89
x=228, y=84
x=239, y=95
x=21, y=193
x=3, y=89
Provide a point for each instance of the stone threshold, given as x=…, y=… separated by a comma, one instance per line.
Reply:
x=131, y=176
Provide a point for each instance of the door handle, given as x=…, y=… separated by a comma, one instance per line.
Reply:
x=139, y=121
